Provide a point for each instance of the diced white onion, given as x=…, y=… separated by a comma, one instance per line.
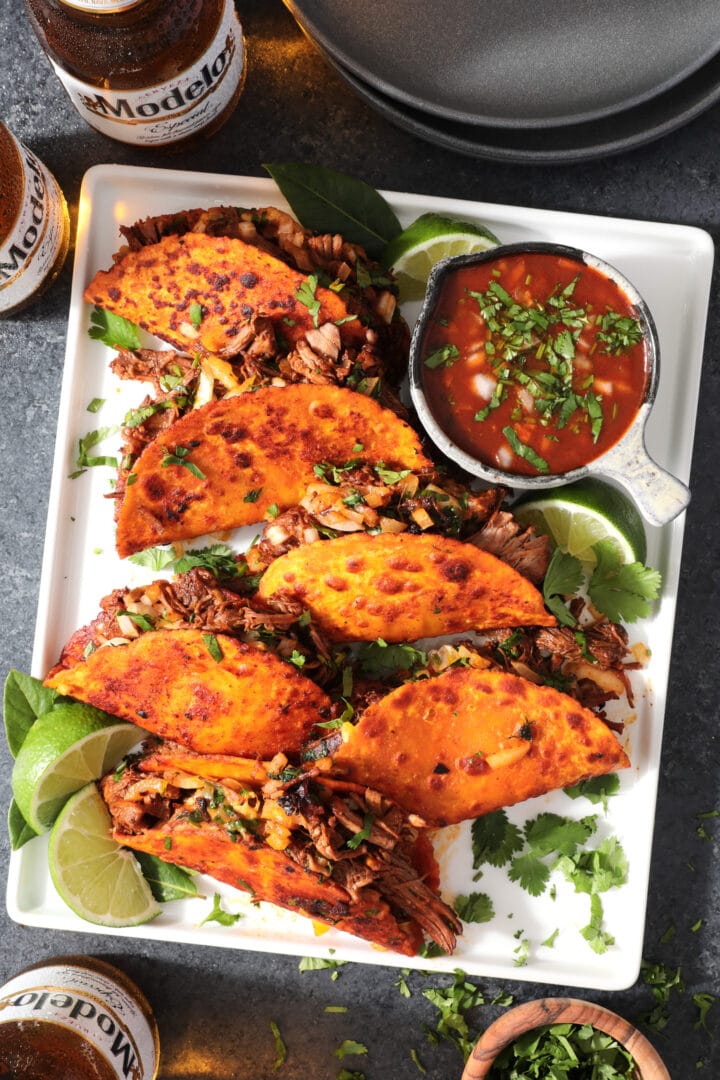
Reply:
x=484, y=385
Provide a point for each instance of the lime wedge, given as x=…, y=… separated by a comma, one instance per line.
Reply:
x=97, y=878
x=579, y=515
x=64, y=748
x=432, y=237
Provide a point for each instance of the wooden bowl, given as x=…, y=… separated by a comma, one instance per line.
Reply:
x=544, y=1011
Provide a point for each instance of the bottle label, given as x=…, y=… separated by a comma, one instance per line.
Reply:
x=31, y=248
x=170, y=111
x=92, y=1005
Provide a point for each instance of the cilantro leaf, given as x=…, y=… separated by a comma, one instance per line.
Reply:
x=306, y=296
x=219, y=915
x=596, y=870
x=86, y=443
x=155, y=558
x=213, y=647
x=597, y=789
x=319, y=963
x=563, y=577
x=551, y=832
x=476, y=907
x=280, y=1047
x=378, y=660
x=494, y=839
x=180, y=457
x=350, y=1047
x=622, y=591
x=216, y=557
x=453, y=1003
x=113, y=330
x=530, y=873
x=598, y=939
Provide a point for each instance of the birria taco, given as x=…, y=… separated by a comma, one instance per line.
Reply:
x=228, y=463
x=336, y=852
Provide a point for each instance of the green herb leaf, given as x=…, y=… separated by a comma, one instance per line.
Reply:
x=550, y=832
x=390, y=476
x=563, y=577
x=524, y=451
x=445, y=356
x=622, y=591
x=280, y=1048
x=319, y=963
x=253, y=495
x=19, y=830
x=85, y=460
x=24, y=699
x=143, y=622
x=180, y=458
x=596, y=870
x=167, y=882
x=195, y=311
x=598, y=789
x=355, y=841
x=219, y=915
x=213, y=647
x=155, y=558
x=530, y=873
x=348, y=1048
x=327, y=201
x=113, y=330
x=476, y=907
x=306, y=296
x=95, y=405
x=453, y=1004
x=598, y=939
x=219, y=558
x=378, y=660
x=494, y=839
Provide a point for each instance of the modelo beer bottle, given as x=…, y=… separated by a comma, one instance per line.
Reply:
x=34, y=225
x=76, y=1018
x=158, y=73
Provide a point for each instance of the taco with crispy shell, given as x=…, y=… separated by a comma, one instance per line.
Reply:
x=211, y=692
x=401, y=587
x=473, y=740
x=336, y=852
x=226, y=464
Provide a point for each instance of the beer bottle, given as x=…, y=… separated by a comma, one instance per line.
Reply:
x=76, y=1018
x=161, y=73
x=34, y=225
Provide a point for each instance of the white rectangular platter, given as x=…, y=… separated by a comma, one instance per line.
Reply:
x=671, y=267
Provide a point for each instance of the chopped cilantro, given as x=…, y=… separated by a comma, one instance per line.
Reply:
x=253, y=495
x=564, y=1050
x=524, y=451
x=306, y=295
x=445, y=356
x=494, y=839
x=563, y=577
x=95, y=405
x=195, y=312
x=180, y=458
x=378, y=660
x=368, y=822
x=453, y=1003
x=598, y=789
x=350, y=1048
x=476, y=907
x=219, y=915
x=280, y=1048
x=622, y=591
x=86, y=443
x=113, y=330
x=213, y=647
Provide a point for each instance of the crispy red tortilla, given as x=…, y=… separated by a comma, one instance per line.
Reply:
x=470, y=741
x=199, y=291
x=402, y=587
x=245, y=702
x=244, y=454
x=270, y=875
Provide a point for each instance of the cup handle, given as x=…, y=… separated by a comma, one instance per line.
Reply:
x=659, y=495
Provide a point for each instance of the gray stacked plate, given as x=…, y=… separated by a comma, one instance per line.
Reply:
x=525, y=82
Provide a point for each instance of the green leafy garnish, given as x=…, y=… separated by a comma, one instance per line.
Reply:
x=618, y=332
x=476, y=907
x=378, y=660
x=350, y=1048
x=319, y=963
x=213, y=647
x=253, y=495
x=453, y=1003
x=24, y=699
x=219, y=915
x=95, y=405
x=356, y=840
x=85, y=460
x=564, y=576
x=113, y=330
x=280, y=1048
x=662, y=980
x=155, y=558
x=306, y=296
x=598, y=789
x=195, y=311
x=622, y=591
x=331, y=202
x=445, y=356
x=167, y=882
x=19, y=830
x=563, y=1051
x=597, y=938
x=180, y=457
x=219, y=558
x=143, y=622
x=494, y=839
x=524, y=451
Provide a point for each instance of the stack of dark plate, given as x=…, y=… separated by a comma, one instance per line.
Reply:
x=526, y=81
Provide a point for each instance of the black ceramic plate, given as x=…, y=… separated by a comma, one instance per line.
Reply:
x=559, y=145
x=522, y=65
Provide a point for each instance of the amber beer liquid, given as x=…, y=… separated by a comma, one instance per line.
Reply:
x=34, y=225
x=76, y=1018
x=155, y=73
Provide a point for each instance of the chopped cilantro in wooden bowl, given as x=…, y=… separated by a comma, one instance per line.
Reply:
x=563, y=1038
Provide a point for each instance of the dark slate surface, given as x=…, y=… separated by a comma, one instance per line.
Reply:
x=214, y=1006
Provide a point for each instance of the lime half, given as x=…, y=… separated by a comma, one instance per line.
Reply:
x=579, y=515
x=64, y=748
x=97, y=878
x=432, y=237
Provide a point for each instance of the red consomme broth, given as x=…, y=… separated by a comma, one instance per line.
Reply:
x=534, y=363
